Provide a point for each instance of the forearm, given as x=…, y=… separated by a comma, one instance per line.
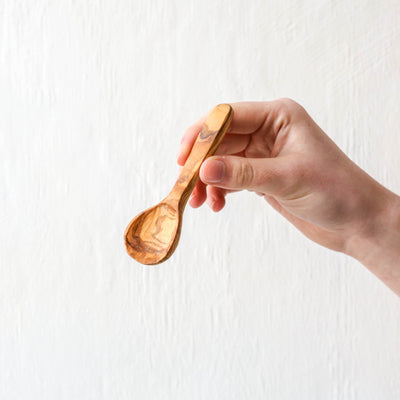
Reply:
x=378, y=247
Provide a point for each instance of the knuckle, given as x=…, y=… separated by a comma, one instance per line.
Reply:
x=286, y=101
x=286, y=105
x=244, y=174
x=289, y=103
x=286, y=109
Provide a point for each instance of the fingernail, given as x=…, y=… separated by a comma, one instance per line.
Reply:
x=215, y=172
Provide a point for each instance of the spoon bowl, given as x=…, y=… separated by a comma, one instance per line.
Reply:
x=153, y=235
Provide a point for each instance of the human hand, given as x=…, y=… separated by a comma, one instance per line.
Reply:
x=276, y=150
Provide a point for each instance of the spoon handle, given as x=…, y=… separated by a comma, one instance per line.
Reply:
x=217, y=123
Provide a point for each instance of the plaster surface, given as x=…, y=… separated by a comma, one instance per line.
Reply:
x=94, y=98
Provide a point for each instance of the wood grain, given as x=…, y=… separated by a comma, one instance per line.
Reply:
x=152, y=236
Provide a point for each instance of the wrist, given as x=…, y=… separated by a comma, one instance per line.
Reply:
x=376, y=243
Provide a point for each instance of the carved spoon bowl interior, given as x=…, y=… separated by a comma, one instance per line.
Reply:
x=153, y=235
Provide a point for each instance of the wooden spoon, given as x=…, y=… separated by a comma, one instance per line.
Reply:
x=152, y=236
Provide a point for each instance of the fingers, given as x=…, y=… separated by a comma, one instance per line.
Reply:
x=215, y=198
x=232, y=144
x=265, y=175
x=199, y=195
x=187, y=142
x=248, y=117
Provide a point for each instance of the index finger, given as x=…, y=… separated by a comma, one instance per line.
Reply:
x=248, y=117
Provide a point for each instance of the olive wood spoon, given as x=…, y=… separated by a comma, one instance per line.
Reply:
x=153, y=235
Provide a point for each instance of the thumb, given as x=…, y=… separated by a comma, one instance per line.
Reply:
x=265, y=175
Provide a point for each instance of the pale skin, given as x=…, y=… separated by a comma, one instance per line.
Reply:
x=276, y=150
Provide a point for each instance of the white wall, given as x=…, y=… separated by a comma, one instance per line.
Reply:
x=94, y=97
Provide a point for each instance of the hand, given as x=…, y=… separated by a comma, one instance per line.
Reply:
x=276, y=150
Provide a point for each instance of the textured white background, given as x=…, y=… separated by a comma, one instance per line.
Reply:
x=94, y=97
